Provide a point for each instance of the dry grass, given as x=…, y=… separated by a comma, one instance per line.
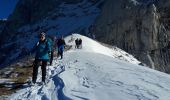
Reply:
x=5, y=91
x=23, y=74
x=19, y=74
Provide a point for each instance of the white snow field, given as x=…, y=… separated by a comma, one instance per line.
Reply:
x=96, y=72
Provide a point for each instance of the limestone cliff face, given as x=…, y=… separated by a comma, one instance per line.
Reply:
x=138, y=27
x=31, y=11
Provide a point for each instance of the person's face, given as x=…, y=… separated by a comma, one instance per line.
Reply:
x=42, y=38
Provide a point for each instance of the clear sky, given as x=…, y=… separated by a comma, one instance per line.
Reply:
x=7, y=7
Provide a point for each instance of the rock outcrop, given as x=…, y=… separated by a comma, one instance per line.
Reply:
x=139, y=27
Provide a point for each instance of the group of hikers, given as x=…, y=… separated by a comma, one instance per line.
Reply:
x=78, y=43
x=44, y=51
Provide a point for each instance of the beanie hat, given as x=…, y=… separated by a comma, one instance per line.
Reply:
x=42, y=34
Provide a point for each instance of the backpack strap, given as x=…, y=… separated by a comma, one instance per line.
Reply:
x=37, y=43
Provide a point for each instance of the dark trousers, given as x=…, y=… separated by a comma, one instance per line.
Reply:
x=51, y=57
x=60, y=53
x=35, y=70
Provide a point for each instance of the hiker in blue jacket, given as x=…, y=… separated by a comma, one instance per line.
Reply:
x=41, y=49
x=61, y=45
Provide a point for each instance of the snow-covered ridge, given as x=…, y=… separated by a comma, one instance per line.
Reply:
x=91, y=73
x=90, y=45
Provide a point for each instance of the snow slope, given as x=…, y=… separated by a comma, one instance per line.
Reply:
x=90, y=45
x=96, y=72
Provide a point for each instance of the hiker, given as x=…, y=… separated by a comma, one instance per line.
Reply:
x=61, y=44
x=55, y=40
x=76, y=42
x=52, y=42
x=80, y=43
x=42, y=48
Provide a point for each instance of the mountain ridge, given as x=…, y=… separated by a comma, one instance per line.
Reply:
x=140, y=27
x=81, y=74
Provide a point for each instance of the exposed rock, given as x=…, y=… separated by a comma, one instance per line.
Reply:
x=31, y=11
x=137, y=27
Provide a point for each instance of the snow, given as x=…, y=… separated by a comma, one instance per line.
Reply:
x=96, y=73
x=4, y=81
x=90, y=45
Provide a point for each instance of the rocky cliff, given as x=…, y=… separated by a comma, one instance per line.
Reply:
x=139, y=27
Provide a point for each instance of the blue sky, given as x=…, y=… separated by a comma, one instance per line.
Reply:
x=6, y=7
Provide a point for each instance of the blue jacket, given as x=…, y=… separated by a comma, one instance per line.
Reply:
x=61, y=43
x=50, y=43
x=42, y=49
x=61, y=48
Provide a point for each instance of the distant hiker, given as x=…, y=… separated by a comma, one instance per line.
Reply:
x=76, y=42
x=42, y=48
x=80, y=43
x=61, y=44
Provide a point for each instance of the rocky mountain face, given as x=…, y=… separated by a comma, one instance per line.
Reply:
x=139, y=27
x=29, y=12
